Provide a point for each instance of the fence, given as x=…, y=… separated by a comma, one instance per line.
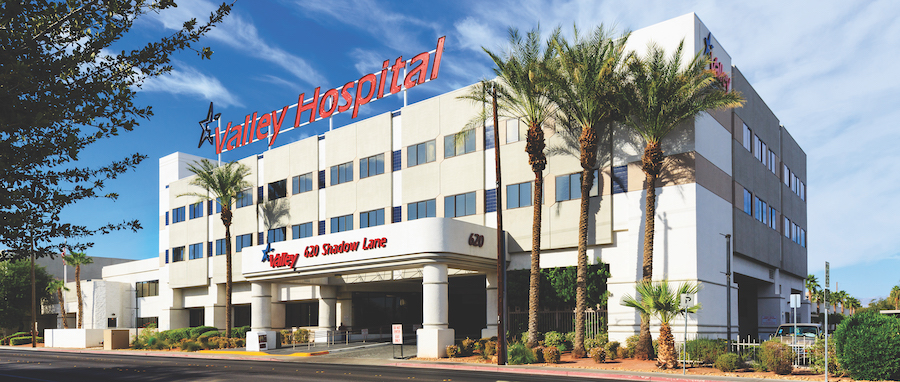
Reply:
x=562, y=321
x=750, y=351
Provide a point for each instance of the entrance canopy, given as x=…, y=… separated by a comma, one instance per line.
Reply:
x=410, y=244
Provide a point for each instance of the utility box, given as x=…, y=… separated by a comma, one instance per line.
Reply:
x=116, y=339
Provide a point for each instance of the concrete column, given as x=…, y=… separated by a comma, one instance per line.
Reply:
x=490, y=288
x=176, y=316
x=345, y=309
x=260, y=306
x=435, y=335
x=215, y=312
x=327, y=312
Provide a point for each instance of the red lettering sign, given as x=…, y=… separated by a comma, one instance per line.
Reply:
x=334, y=101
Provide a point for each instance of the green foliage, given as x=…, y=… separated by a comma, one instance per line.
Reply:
x=598, y=354
x=176, y=335
x=240, y=332
x=5, y=340
x=598, y=340
x=189, y=345
x=705, y=350
x=211, y=333
x=538, y=354
x=557, y=287
x=728, y=362
x=25, y=340
x=452, y=351
x=776, y=356
x=301, y=336
x=467, y=347
x=519, y=354
x=557, y=340
x=817, y=357
x=612, y=349
x=490, y=348
x=631, y=344
x=868, y=346
x=15, y=292
x=551, y=354
x=197, y=331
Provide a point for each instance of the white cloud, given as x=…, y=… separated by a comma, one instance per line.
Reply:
x=188, y=80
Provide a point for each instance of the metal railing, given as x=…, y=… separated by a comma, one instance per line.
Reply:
x=750, y=351
x=562, y=321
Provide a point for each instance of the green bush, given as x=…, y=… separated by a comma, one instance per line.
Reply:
x=189, y=345
x=776, y=356
x=558, y=340
x=240, y=342
x=452, y=351
x=868, y=346
x=6, y=340
x=301, y=336
x=600, y=340
x=197, y=331
x=705, y=350
x=551, y=355
x=817, y=357
x=176, y=335
x=490, y=348
x=612, y=349
x=598, y=354
x=211, y=333
x=24, y=340
x=538, y=354
x=467, y=347
x=240, y=332
x=728, y=362
x=631, y=344
x=569, y=339
x=520, y=355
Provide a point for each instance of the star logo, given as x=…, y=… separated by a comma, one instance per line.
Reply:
x=707, y=46
x=266, y=252
x=205, y=133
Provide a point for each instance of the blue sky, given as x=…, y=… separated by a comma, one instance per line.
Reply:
x=825, y=68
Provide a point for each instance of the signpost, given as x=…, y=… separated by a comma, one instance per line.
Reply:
x=687, y=301
x=795, y=303
x=827, y=285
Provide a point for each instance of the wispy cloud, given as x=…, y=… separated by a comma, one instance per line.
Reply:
x=241, y=34
x=189, y=81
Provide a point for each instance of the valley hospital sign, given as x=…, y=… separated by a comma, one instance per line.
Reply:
x=350, y=96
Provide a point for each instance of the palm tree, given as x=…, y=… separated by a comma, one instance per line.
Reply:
x=660, y=300
x=852, y=304
x=521, y=89
x=812, y=285
x=894, y=297
x=76, y=259
x=58, y=286
x=838, y=297
x=818, y=297
x=586, y=81
x=660, y=94
x=223, y=184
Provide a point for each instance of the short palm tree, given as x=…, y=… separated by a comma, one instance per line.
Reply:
x=58, y=286
x=521, y=94
x=812, y=285
x=223, y=184
x=660, y=94
x=77, y=259
x=661, y=300
x=587, y=81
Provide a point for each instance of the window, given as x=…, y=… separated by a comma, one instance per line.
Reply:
x=802, y=191
x=803, y=238
x=277, y=190
x=747, y=135
x=167, y=217
x=299, y=231
x=513, y=132
x=773, y=218
x=177, y=254
x=419, y=154
x=342, y=223
x=764, y=153
x=276, y=234
x=342, y=173
x=195, y=251
x=178, y=215
x=244, y=198
x=786, y=174
x=786, y=227
x=371, y=218
x=371, y=166
x=773, y=163
x=748, y=203
x=568, y=187
x=757, y=208
x=518, y=195
x=242, y=241
x=143, y=322
x=301, y=183
x=218, y=204
x=755, y=146
x=419, y=210
x=459, y=205
x=459, y=144
x=196, y=210
x=220, y=247
x=147, y=288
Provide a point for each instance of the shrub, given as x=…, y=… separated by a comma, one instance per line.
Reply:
x=24, y=340
x=286, y=336
x=452, y=351
x=240, y=332
x=776, y=357
x=600, y=340
x=631, y=344
x=197, y=331
x=238, y=342
x=6, y=340
x=817, y=357
x=211, y=333
x=569, y=340
x=705, y=350
x=623, y=353
x=728, y=362
x=301, y=336
x=612, y=349
x=490, y=348
x=538, y=354
x=189, y=345
x=519, y=354
x=176, y=335
x=467, y=347
x=598, y=354
x=551, y=355
x=553, y=339
x=868, y=346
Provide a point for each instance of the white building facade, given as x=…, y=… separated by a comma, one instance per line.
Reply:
x=373, y=223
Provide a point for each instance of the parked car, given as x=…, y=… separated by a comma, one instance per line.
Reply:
x=804, y=335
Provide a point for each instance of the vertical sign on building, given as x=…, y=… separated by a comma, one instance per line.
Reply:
x=397, y=334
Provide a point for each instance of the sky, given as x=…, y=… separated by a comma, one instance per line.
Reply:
x=823, y=67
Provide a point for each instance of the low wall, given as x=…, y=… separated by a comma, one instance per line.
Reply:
x=73, y=338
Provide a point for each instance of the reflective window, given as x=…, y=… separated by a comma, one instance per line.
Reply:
x=342, y=173
x=302, y=183
x=371, y=218
x=459, y=205
x=568, y=187
x=277, y=190
x=419, y=210
x=178, y=215
x=459, y=144
x=147, y=288
x=342, y=223
x=276, y=234
x=518, y=195
x=299, y=231
x=421, y=153
x=195, y=251
x=195, y=210
x=177, y=254
x=371, y=166
x=242, y=241
x=220, y=247
x=244, y=198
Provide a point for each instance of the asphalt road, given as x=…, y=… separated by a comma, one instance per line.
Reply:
x=45, y=366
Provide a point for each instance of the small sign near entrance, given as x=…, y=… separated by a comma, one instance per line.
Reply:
x=397, y=334
x=795, y=301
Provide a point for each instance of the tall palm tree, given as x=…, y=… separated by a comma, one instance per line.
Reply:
x=818, y=297
x=660, y=94
x=661, y=300
x=812, y=285
x=223, y=184
x=852, y=304
x=77, y=259
x=894, y=297
x=586, y=79
x=58, y=286
x=521, y=94
x=838, y=297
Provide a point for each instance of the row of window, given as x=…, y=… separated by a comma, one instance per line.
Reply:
x=768, y=215
x=791, y=180
x=147, y=288
x=768, y=158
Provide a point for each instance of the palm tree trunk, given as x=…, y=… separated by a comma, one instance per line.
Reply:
x=62, y=308
x=78, y=292
x=644, y=349
x=534, y=146
x=588, y=144
x=651, y=162
x=226, y=220
x=668, y=358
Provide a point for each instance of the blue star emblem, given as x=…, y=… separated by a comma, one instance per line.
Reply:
x=205, y=133
x=707, y=45
x=266, y=252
